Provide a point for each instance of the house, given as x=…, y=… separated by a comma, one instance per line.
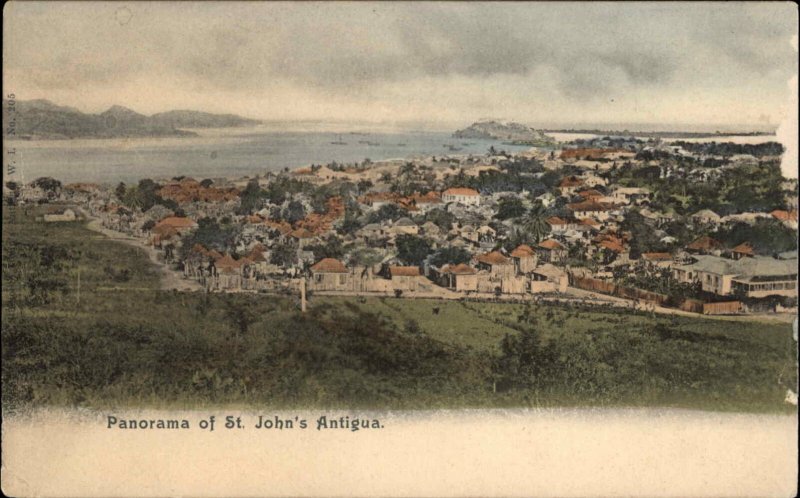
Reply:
x=743, y=250
x=303, y=236
x=65, y=215
x=497, y=264
x=461, y=277
x=460, y=195
x=404, y=226
x=754, y=277
x=329, y=274
x=704, y=245
x=591, y=194
x=659, y=259
x=631, y=195
x=548, y=278
x=406, y=278
x=591, y=209
x=180, y=224
x=551, y=251
x=524, y=258
x=788, y=218
x=706, y=216
x=569, y=185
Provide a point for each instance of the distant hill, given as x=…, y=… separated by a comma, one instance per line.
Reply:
x=42, y=119
x=514, y=133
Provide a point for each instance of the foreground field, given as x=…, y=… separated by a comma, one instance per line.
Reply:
x=119, y=341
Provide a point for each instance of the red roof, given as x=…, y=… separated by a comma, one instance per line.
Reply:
x=782, y=215
x=555, y=220
x=743, y=248
x=589, y=206
x=704, y=244
x=523, y=251
x=571, y=181
x=459, y=269
x=493, y=258
x=550, y=244
x=460, y=191
x=226, y=262
x=176, y=222
x=329, y=265
x=657, y=256
x=302, y=233
x=404, y=271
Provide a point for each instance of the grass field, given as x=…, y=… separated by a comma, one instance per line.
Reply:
x=123, y=342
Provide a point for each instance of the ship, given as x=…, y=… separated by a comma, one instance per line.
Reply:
x=339, y=141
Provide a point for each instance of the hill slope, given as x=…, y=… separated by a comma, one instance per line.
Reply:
x=42, y=119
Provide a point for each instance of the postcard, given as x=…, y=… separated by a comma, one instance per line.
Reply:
x=399, y=249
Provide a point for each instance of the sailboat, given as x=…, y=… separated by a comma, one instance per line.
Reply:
x=339, y=141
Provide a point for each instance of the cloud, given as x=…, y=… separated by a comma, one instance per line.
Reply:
x=567, y=58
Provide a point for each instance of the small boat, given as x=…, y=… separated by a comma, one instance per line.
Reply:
x=339, y=141
x=401, y=145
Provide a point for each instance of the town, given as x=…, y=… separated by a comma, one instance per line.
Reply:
x=706, y=228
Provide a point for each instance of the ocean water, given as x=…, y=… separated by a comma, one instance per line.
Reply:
x=236, y=152
x=222, y=153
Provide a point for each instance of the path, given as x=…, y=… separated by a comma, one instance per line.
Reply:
x=169, y=279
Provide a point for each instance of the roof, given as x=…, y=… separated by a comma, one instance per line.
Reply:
x=459, y=269
x=784, y=215
x=523, y=251
x=706, y=213
x=177, y=222
x=404, y=222
x=657, y=256
x=704, y=244
x=549, y=270
x=745, y=267
x=461, y=191
x=493, y=258
x=550, y=244
x=302, y=233
x=589, y=206
x=589, y=222
x=612, y=245
x=744, y=248
x=571, y=181
x=555, y=220
x=329, y=265
x=404, y=271
x=226, y=262
x=590, y=193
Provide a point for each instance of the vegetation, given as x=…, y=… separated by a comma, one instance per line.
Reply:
x=121, y=342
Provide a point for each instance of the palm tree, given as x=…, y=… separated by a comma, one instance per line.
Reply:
x=535, y=223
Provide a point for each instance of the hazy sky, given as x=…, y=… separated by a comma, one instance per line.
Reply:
x=720, y=64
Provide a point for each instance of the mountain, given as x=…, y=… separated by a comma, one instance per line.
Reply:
x=514, y=133
x=42, y=119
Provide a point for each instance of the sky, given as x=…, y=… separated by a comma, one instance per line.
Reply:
x=706, y=66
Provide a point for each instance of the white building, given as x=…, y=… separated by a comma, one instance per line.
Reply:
x=462, y=195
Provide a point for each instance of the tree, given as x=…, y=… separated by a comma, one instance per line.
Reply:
x=120, y=191
x=207, y=182
x=240, y=314
x=450, y=255
x=441, y=218
x=386, y=212
x=251, y=198
x=284, y=255
x=294, y=212
x=510, y=206
x=412, y=249
x=535, y=223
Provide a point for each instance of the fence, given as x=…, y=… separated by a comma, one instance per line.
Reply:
x=726, y=308
x=604, y=287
